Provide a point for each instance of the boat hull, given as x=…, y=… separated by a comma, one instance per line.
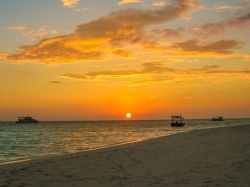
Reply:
x=218, y=119
x=29, y=122
x=177, y=124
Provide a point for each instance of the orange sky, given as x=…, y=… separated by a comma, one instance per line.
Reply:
x=99, y=61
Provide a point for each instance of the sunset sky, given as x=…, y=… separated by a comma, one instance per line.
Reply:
x=100, y=59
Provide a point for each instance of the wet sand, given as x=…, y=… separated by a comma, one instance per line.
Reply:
x=212, y=157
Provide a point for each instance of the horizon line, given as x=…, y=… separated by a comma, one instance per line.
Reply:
x=110, y=120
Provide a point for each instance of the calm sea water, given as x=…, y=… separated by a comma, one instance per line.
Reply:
x=22, y=141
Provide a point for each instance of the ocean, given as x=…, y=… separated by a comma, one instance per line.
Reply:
x=28, y=141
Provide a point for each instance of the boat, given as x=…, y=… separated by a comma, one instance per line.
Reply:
x=219, y=118
x=26, y=119
x=177, y=121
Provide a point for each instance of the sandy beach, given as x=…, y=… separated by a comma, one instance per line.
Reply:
x=212, y=157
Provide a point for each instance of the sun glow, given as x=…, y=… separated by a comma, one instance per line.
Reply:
x=128, y=115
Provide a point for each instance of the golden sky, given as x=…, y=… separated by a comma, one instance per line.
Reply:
x=96, y=59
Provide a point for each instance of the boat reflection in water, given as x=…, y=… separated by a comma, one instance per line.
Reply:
x=219, y=118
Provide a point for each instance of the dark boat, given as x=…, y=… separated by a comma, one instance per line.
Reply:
x=26, y=119
x=177, y=121
x=220, y=118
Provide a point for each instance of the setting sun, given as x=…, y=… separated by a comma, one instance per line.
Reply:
x=128, y=115
x=90, y=79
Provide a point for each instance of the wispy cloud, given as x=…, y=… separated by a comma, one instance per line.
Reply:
x=36, y=33
x=208, y=29
x=56, y=82
x=19, y=28
x=155, y=73
x=70, y=3
x=123, y=2
x=159, y=3
x=221, y=8
x=149, y=68
x=220, y=47
x=212, y=74
x=220, y=27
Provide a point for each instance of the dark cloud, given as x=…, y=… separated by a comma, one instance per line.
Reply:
x=99, y=38
x=207, y=29
x=220, y=47
x=128, y=24
x=220, y=27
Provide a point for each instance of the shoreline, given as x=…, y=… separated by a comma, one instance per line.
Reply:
x=207, y=157
x=41, y=157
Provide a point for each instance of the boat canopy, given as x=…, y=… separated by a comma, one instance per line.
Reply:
x=177, y=119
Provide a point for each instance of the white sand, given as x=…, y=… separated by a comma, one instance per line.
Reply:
x=213, y=157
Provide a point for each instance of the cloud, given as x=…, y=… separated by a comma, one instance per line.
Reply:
x=123, y=2
x=70, y=3
x=219, y=47
x=212, y=73
x=33, y=32
x=100, y=39
x=56, y=82
x=122, y=53
x=159, y=3
x=221, y=8
x=208, y=29
x=153, y=73
x=150, y=81
x=167, y=33
x=220, y=27
x=215, y=71
x=247, y=58
x=19, y=28
x=149, y=68
x=128, y=24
